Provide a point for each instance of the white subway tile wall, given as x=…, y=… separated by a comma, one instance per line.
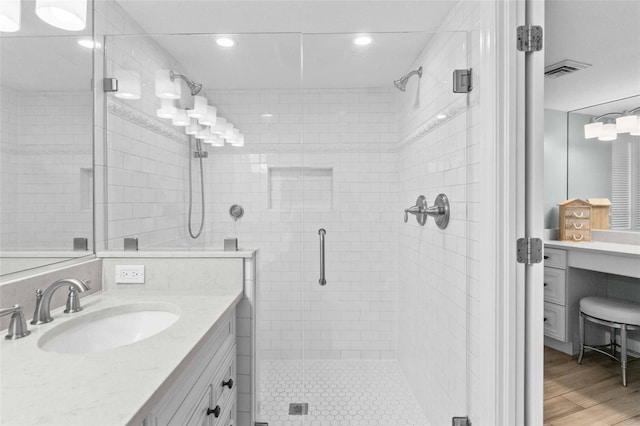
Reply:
x=46, y=163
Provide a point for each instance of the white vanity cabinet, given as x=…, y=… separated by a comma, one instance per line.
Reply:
x=555, y=309
x=205, y=392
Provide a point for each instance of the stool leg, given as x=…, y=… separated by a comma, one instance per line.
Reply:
x=581, y=330
x=623, y=353
x=612, y=340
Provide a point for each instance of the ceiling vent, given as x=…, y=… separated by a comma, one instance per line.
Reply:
x=563, y=68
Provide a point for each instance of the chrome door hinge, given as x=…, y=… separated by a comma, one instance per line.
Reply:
x=461, y=421
x=529, y=38
x=529, y=250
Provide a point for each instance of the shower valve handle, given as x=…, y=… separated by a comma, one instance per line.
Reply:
x=419, y=210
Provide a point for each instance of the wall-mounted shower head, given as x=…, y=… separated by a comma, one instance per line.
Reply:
x=193, y=86
x=401, y=84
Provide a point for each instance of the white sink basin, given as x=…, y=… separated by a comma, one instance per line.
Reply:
x=110, y=328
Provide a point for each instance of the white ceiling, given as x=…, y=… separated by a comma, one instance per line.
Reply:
x=605, y=34
x=292, y=44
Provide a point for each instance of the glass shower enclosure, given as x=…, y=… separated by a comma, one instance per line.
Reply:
x=337, y=170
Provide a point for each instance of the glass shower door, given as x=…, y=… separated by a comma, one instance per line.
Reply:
x=385, y=340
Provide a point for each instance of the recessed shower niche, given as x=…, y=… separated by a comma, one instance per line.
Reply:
x=295, y=188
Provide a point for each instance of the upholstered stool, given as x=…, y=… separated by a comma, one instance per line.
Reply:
x=617, y=314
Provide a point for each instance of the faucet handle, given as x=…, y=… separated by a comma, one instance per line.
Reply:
x=18, y=326
x=73, y=301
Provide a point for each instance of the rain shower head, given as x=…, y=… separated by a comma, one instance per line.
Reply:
x=193, y=86
x=401, y=84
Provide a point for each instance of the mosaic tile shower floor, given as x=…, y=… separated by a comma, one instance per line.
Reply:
x=339, y=393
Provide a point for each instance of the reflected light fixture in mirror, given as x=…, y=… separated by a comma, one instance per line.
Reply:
x=165, y=87
x=128, y=84
x=628, y=123
x=10, y=15
x=192, y=128
x=180, y=118
x=225, y=41
x=70, y=15
x=608, y=131
x=199, y=107
x=362, y=40
x=209, y=119
x=167, y=109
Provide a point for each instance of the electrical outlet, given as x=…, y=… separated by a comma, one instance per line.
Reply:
x=129, y=274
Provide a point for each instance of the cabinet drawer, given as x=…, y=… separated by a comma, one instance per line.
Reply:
x=200, y=416
x=555, y=258
x=554, y=285
x=577, y=212
x=577, y=224
x=555, y=321
x=228, y=414
x=575, y=235
x=227, y=375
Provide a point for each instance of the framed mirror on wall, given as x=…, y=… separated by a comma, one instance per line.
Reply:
x=46, y=144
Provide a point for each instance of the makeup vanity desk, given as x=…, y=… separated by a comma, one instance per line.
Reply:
x=573, y=270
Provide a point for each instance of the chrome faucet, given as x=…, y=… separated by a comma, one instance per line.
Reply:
x=42, y=314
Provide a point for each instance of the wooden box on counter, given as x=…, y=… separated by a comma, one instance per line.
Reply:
x=574, y=220
x=599, y=212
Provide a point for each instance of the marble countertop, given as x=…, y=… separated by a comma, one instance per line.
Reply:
x=111, y=387
x=596, y=246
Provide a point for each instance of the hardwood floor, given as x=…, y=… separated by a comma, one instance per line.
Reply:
x=591, y=393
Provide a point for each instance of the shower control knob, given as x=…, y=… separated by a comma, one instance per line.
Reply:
x=228, y=383
x=215, y=411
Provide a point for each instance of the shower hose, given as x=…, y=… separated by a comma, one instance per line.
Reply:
x=199, y=155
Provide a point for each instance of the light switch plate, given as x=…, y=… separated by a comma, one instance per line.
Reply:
x=129, y=274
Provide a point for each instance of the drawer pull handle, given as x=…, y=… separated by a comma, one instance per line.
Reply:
x=228, y=383
x=215, y=411
x=578, y=237
x=546, y=257
x=578, y=214
x=578, y=225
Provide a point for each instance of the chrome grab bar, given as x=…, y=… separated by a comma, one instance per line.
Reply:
x=322, y=280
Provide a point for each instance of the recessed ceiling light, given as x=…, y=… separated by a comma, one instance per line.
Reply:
x=441, y=116
x=85, y=42
x=225, y=42
x=362, y=40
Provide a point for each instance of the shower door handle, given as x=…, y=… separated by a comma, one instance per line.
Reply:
x=322, y=280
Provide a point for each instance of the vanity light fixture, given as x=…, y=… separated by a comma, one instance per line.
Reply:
x=199, y=107
x=10, y=11
x=166, y=87
x=629, y=122
x=362, y=40
x=70, y=15
x=608, y=131
x=209, y=118
x=605, y=128
x=129, y=86
x=225, y=42
x=180, y=119
x=239, y=141
x=215, y=140
x=220, y=126
x=167, y=109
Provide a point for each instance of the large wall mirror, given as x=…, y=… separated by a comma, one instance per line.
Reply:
x=46, y=145
x=590, y=73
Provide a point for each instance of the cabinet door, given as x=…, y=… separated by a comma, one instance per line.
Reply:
x=199, y=416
